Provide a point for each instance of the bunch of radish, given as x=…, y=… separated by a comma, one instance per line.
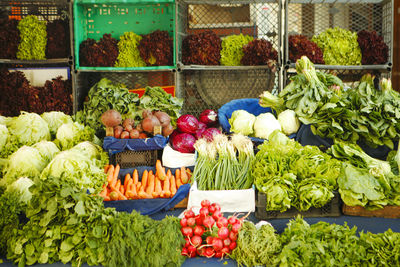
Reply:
x=209, y=233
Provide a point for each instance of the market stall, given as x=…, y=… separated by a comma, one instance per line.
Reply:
x=198, y=133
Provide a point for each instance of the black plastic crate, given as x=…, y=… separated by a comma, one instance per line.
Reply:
x=131, y=159
x=332, y=209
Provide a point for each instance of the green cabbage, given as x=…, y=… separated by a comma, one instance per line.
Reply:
x=55, y=119
x=70, y=134
x=22, y=187
x=339, y=46
x=93, y=151
x=47, y=149
x=76, y=168
x=313, y=192
x=26, y=161
x=242, y=122
x=232, y=49
x=28, y=129
x=4, y=134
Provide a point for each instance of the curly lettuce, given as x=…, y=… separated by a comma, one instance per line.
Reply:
x=55, y=119
x=33, y=36
x=232, y=49
x=129, y=55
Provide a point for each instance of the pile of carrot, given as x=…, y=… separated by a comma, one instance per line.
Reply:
x=160, y=184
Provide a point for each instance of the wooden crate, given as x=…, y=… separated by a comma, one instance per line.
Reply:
x=386, y=212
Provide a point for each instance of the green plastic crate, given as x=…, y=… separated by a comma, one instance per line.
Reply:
x=93, y=18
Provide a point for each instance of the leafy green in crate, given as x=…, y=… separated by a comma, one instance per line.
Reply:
x=292, y=175
x=33, y=36
x=129, y=55
x=232, y=49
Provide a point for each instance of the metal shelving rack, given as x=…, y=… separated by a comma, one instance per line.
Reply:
x=205, y=86
x=311, y=17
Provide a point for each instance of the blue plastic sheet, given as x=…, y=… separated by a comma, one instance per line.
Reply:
x=251, y=105
x=148, y=206
x=116, y=145
x=306, y=137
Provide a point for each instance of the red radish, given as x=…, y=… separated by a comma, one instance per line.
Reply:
x=232, y=246
x=232, y=220
x=209, y=252
x=209, y=240
x=199, y=220
x=201, y=251
x=217, y=206
x=211, y=209
x=192, y=251
x=205, y=203
x=216, y=215
x=204, y=212
x=227, y=242
x=133, y=134
x=223, y=233
x=187, y=231
x=128, y=121
x=236, y=227
x=208, y=222
x=199, y=230
x=217, y=244
x=185, y=252
x=218, y=254
x=187, y=242
x=233, y=236
x=196, y=240
x=128, y=128
x=222, y=222
x=117, y=131
x=189, y=214
x=225, y=251
x=183, y=222
x=191, y=221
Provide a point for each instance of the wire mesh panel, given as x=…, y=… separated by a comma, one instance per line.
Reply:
x=132, y=80
x=212, y=89
x=259, y=19
x=311, y=17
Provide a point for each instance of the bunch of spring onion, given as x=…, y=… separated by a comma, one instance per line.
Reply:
x=223, y=164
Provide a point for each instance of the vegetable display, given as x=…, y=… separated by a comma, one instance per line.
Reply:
x=259, y=52
x=129, y=55
x=365, y=181
x=300, y=45
x=57, y=39
x=209, y=234
x=156, y=48
x=223, y=164
x=202, y=49
x=160, y=184
x=292, y=175
x=339, y=46
x=102, y=53
x=33, y=36
x=242, y=122
x=373, y=48
x=232, y=49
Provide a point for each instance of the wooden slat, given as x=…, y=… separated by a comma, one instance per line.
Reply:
x=386, y=212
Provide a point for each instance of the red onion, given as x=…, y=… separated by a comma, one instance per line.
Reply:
x=210, y=133
x=187, y=124
x=183, y=143
x=209, y=117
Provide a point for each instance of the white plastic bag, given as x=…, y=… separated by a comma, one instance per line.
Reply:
x=175, y=159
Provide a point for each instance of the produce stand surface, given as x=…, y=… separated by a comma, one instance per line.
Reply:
x=374, y=225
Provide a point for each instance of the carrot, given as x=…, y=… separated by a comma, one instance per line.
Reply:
x=166, y=191
x=184, y=176
x=128, y=185
x=115, y=175
x=135, y=176
x=118, y=184
x=122, y=189
x=178, y=182
x=127, y=179
x=120, y=195
x=157, y=188
x=150, y=186
x=144, y=180
x=143, y=194
x=107, y=198
x=110, y=174
x=138, y=186
x=178, y=174
x=189, y=173
x=160, y=171
x=131, y=192
x=173, y=185
x=106, y=168
x=151, y=172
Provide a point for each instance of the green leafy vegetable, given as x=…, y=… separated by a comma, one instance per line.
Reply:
x=256, y=246
x=232, y=49
x=103, y=96
x=4, y=135
x=242, y=122
x=339, y=46
x=46, y=149
x=26, y=161
x=72, y=133
x=292, y=175
x=55, y=119
x=33, y=36
x=129, y=55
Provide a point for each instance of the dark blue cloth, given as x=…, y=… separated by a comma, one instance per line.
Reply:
x=116, y=145
x=306, y=137
x=148, y=206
